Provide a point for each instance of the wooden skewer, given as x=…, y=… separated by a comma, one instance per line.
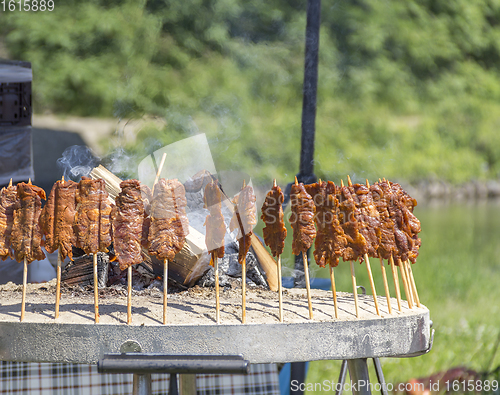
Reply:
x=58, y=283
x=396, y=281
x=349, y=181
x=58, y=275
x=408, y=281
x=414, y=285
x=243, y=273
x=165, y=289
x=243, y=290
x=405, y=284
x=280, y=290
x=10, y=182
x=308, y=286
x=96, y=289
x=334, y=291
x=386, y=285
x=129, y=295
x=372, y=284
x=29, y=181
x=384, y=275
x=354, y=288
x=160, y=168
x=25, y=282
x=215, y=261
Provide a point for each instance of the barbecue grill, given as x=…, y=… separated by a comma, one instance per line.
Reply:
x=203, y=346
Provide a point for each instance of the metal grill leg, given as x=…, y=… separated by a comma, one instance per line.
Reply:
x=141, y=384
x=187, y=384
x=360, y=380
x=380, y=376
x=343, y=371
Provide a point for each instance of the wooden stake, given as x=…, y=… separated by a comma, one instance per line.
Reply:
x=243, y=290
x=215, y=261
x=396, y=281
x=414, y=285
x=58, y=283
x=160, y=168
x=405, y=284
x=408, y=281
x=354, y=288
x=25, y=282
x=96, y=290
x=129, y=295
x=372, y=284
x=308, y=285
x=386, y=285
x=165, y=289
x=280, y=290
x=334, y=291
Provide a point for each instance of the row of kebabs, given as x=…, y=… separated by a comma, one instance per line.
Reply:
x=81, y=215
x=352, y=221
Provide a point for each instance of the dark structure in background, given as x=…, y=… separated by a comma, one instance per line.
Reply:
x=27, y=152
x=306, y=171
x=15, y=122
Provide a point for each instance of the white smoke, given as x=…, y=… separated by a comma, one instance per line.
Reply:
x=77, y=161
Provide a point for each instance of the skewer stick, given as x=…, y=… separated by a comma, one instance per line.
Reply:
x=280, y=290
x=10, y=182
x=129, y=295
x=165, y=289
x=243, y=290
x=58, y=284
x=354, y=288
x=372, y=284
x=396, y=281
x=308, y=286
x=405, y=284
x=407, y=275
x=306, y=274
x=386, y=285
x=349, y=181
x=414, y=285
x=334, y=291
x=215, y=261
x=25, y=281
x=96, y=290
x=410, y=285
x=160, y=168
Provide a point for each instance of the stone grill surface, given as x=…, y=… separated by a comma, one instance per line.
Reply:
x=192, y=330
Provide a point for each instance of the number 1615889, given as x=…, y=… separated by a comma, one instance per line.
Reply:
x=27, y=5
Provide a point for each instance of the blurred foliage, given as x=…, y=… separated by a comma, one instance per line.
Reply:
x=409, y=89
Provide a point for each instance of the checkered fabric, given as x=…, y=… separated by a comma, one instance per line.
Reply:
x=74, y=379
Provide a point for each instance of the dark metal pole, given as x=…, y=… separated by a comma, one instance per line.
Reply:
x=306, y=171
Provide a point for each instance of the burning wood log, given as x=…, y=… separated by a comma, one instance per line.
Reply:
x=191, y=262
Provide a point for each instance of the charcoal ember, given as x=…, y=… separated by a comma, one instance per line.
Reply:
x=80, y=271
x=230, y=268
x=208, y=279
